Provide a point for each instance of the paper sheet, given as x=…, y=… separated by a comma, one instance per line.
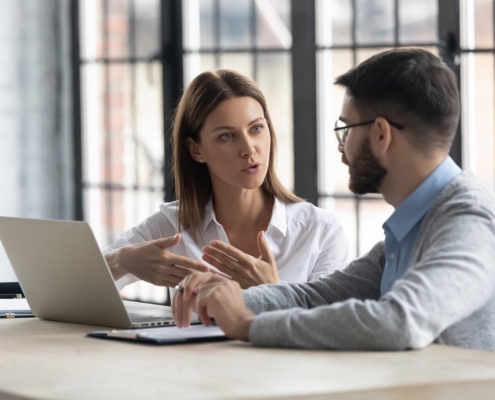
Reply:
x=14, y=304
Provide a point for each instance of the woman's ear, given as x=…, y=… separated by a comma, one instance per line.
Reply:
x=381, y=136
x=194, y=150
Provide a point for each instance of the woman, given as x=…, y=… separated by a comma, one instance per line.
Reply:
x=232, y=215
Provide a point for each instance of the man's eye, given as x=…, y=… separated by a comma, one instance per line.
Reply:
x=226, y=136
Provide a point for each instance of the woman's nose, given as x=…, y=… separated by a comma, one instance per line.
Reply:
x=247, y=146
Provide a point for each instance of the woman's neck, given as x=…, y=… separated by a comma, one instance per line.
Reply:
x=250, y=210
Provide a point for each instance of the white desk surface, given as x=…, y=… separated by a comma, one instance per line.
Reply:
x=52, y=360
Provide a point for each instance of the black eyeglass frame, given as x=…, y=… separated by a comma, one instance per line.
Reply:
x=347, y=127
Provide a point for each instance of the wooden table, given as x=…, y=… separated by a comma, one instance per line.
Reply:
x=51, y=360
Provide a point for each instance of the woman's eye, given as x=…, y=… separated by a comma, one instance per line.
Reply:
x=226, y=136
x=258, y=128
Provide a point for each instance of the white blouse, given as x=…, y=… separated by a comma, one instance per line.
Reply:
x=306, y=241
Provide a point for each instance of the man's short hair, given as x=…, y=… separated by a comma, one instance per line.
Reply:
x=411, y=87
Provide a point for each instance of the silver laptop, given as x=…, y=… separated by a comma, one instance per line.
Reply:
x=65, y=277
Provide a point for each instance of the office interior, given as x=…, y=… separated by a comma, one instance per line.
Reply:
x=89, y=88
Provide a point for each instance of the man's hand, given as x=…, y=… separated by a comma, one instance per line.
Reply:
x=151, y=262
x=243, y=268
x=213, y=296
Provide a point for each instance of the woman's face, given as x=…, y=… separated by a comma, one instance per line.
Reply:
x=235, y=144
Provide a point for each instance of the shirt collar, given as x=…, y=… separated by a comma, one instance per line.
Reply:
x=209, y=215
x=279, y=216
x=278, y=219
x=413, y=209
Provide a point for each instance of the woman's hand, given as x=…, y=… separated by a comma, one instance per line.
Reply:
x=243, y=268
x=151, y=262
x=213, y=296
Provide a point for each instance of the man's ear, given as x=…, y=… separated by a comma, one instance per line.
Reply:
x=381, y=136
x=194, y=151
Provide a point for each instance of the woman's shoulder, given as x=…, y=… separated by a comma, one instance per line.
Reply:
x=305, y=211
x=171, y=212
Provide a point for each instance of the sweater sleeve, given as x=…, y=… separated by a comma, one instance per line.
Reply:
x=453, y=278
x=360, y=279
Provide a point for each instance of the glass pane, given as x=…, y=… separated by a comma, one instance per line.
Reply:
x=476, y=24
x=90, y=29
x=108, y=149
x=117, y=27
x=241, y=62
x=333, y=176
x=147, y=27
x=111, y=212
x=104, y=28
x=477, y=116
x=235, y=26
x=374, y=21
x=372, y=215
x=483, y=14
x=148, y=137
x=273, y=24
x=418, y=21
x=198, y=18
x=345, y=211
x=196, y=63
x=123, y=127
x=92, y=116
x=334, y=22
x=275, y=81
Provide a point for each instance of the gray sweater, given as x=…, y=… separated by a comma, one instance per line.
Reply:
x=447, y=295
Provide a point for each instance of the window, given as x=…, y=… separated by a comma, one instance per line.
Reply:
x=348, y=32
x=253, y=37
x=123, y=141
x=477, y=88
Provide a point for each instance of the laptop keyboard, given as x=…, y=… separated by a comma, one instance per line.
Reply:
x=147, y=318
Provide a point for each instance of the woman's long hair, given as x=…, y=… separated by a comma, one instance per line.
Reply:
x=192, y=180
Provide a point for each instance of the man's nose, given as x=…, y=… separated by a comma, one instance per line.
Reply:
x=341, y=148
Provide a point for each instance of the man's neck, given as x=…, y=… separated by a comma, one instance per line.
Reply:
x=401, y=181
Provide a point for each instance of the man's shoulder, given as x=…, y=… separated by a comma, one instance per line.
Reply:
x=466, y=190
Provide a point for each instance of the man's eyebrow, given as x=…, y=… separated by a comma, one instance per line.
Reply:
x=231, y=127
x=343, y=119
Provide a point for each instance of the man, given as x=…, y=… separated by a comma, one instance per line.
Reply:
x=432, y=279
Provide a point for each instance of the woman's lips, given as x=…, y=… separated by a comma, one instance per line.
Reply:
x=252, y=170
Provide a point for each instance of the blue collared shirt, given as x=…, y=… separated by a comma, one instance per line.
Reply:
x=403, y=226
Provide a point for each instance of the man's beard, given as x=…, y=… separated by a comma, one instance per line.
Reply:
x=366, y=173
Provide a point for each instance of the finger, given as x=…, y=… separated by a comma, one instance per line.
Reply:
x=229, y=250
x=167, y=270
x=186, y=262
x=191, y=283
x=165, y=243
x=222, y=257
x=202, y=310
x=179, y=306
x=221, y=267
x=266, y=253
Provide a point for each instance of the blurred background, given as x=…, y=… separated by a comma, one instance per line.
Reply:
x=87, y=89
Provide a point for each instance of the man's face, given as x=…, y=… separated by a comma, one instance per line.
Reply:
x=365, y=171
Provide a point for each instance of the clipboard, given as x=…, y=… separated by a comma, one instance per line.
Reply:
x=165, y=335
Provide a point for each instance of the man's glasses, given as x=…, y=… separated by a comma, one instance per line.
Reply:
x=342, y=130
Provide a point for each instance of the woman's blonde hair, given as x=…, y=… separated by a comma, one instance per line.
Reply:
x=192, y=179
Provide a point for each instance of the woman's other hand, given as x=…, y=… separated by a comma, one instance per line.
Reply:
x=152, y=262
x=245, y=269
